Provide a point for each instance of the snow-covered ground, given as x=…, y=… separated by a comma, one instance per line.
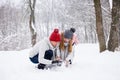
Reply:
x=88, y=64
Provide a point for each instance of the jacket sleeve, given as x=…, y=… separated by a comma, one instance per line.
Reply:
x=34, y=50
x=58, y=52
x=71, y=55
x=41, y=59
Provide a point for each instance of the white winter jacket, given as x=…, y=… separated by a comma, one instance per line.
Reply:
x=65, y=55
x=40, y=48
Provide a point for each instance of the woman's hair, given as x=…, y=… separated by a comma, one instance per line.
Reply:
x=62, y=47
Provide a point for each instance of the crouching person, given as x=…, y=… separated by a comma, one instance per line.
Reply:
x=66, y=47
x=43, y=52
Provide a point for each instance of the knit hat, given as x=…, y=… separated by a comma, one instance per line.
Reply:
x=68, y=34
x=55, y=36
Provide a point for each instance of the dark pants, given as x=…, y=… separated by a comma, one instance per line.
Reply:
x=48, y=55
x=35, y=59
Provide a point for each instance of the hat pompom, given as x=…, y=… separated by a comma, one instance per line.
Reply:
x=55, y=36
x=72, y=30
x=56, y=30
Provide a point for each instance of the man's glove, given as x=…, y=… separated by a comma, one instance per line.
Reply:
x=41, y=66
x=59, y=63
x=56, y=61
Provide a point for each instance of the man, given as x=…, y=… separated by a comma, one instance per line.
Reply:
x=44, y=51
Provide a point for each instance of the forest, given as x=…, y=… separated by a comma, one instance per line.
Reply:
x=25, y=22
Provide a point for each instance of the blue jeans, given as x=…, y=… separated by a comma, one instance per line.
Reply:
x=48, y=55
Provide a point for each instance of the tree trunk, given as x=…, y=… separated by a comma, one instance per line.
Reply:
x=99, y=25
x=115, y=25
x=32, y=22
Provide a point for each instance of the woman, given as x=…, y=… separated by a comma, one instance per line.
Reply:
x=44, y=51
x=66, y=48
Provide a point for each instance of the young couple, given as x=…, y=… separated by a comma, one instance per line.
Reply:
x=54, y=50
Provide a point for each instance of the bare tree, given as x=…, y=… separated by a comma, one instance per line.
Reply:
x=99, y=25
x=32, y=21
x=115, y=25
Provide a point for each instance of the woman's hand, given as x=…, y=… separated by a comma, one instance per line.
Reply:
x=58, y=58
x=66, y=63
